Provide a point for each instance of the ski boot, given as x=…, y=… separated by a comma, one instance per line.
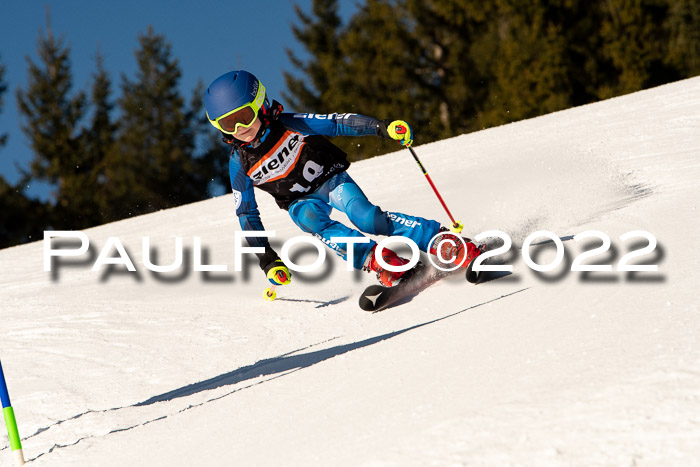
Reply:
x=453, y=250
x=386, y=278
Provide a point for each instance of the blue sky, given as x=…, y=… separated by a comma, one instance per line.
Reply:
x=207, y=37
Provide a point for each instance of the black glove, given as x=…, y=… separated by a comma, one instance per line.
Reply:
x=275, y=270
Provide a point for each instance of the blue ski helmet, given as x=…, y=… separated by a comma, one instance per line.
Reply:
x=232, y=92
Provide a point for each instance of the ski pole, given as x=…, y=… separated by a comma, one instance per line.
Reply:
x=270, y=293
x=456, y=225
x=10, y=422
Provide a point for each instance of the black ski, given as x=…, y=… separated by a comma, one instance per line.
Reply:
x=377, y=297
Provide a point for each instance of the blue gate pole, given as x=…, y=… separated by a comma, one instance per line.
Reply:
x=10, y=422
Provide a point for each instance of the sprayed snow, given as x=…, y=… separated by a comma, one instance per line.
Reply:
x=187, y=368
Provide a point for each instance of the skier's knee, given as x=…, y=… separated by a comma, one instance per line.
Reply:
x=307, y=218
x=373, y=220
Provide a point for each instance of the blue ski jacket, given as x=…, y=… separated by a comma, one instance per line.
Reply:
x=305, y=124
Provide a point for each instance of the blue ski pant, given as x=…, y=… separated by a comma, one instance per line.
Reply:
x=312, y=215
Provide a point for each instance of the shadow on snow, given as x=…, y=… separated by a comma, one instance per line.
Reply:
x=291, y=361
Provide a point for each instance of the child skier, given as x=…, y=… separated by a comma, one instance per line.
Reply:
x=286, y=155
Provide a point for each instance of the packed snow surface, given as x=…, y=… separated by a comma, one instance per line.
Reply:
x=114, y=368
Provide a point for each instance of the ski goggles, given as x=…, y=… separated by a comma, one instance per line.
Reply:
x=243, y=116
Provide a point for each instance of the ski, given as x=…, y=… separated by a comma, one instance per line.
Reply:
x=377, y=297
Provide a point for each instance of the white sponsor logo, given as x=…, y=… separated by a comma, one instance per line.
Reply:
x=279, y=163
x=402, y=220
x=237, y=198
x=324, y=116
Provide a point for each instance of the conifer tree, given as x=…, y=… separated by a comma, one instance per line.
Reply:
x=527, y=66
x=52, y=115
x=634, y=45
x=340, y=71
x=445, y=62
x=683, y=26
x=152, y=165
x=319, y=34
x=21, y=219
x=378, y=45
x=377, y=76
x=99, y=137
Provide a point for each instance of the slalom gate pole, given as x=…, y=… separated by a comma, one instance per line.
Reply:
x=10, y=422
x=456, y=226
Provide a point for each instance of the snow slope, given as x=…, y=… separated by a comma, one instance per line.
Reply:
x=113, y=368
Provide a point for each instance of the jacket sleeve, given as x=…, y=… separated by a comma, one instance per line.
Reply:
x=246, y=206
x=330, y=124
